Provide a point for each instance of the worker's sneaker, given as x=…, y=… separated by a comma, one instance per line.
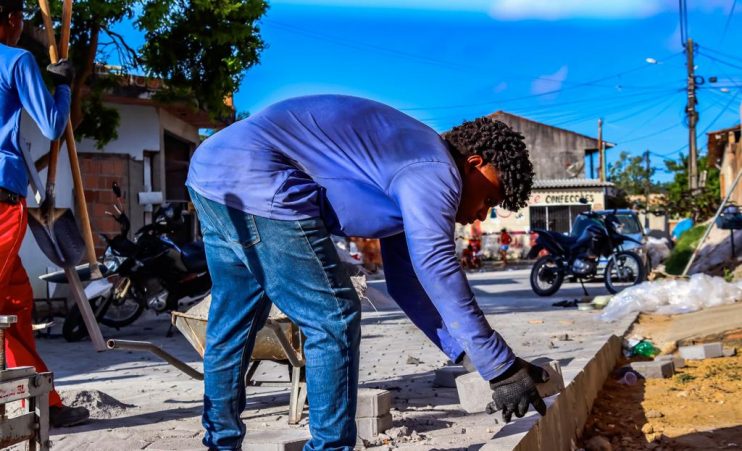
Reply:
x=64, y=416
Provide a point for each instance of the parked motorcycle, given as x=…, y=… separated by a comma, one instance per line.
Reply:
x=152, y=271
x=577, y=255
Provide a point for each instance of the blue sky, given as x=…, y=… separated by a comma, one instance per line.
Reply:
x=565, y=62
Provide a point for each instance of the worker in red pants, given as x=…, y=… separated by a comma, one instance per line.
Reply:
x=22, y=87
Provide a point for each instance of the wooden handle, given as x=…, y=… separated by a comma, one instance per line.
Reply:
x=82, y=205
x=46, y=14
x=51, y=173
x=64, y=40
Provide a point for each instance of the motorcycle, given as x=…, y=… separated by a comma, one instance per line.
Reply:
x=577, y=255
x=153, y=271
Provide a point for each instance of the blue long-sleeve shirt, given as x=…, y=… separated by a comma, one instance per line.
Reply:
x=371, y=171
x=22, y=87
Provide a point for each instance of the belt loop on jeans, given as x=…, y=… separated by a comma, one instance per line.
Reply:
x=8, y=197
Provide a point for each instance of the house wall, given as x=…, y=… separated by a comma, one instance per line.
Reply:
x=731, y=165
x=139, y=130
x=552, y=150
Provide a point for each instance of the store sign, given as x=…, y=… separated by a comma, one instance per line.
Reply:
x=568, y=198
x=564, y=197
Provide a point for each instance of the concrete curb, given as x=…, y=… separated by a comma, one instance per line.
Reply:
x=568, y=411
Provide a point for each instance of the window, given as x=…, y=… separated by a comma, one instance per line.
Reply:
x=555, y=218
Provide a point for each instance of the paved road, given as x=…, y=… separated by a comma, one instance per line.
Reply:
x=165, y=405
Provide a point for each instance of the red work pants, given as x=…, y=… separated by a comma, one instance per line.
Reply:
x=16, y=295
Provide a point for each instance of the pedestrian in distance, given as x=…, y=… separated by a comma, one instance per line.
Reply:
x=505, y=241
x=271, y=189
x=22, y=87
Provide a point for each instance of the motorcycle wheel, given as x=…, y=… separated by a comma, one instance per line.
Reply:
x=624, y=270
x=74, y=329
x=123, y=313
x=546, y=276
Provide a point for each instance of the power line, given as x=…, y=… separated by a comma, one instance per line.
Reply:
x=658, y=132
x=530, y=96
x=722, y=54
x=547, y=113
x=726, y=25
x=720, y=61
x=671, y=101
x=683, y=22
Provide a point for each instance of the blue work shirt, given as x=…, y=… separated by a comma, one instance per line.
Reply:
x=369, y=171
x=21, y=87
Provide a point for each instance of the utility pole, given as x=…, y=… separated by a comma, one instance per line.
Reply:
x=692, y=115
x=601, y=153
x=647, y=186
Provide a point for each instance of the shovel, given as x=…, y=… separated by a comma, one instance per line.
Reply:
x=55, y=229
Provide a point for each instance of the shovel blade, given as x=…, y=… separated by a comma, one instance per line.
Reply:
x=58, y=236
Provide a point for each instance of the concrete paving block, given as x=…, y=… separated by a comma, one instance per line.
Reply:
x=676, y=360
x=369, y=428
x=556, y=380
x=475, y=393
x=657, y=369
x=373, y=403
x=700, y=352
x=276, y=440
x=446, y=377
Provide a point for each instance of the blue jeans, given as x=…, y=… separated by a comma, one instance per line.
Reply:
x=255, y=261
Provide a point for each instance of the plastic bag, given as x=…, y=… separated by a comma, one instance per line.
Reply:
x=671, y=296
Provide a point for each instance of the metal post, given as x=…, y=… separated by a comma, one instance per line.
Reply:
x=601, y=152
x=646, y=190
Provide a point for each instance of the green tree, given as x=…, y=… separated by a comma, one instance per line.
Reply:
x=699, y=205
x=200, y=48
x=630, y=174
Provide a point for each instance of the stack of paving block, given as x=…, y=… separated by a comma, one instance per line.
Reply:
x=373, y=415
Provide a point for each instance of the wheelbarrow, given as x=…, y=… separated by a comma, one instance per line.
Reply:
x=280, y=340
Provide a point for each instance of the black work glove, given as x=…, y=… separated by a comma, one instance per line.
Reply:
x=62, y=73
x=515, y=389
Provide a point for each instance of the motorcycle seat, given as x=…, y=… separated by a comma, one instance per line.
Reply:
x=565, y=240
x=194, y=256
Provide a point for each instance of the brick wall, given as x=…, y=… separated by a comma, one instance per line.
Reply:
x=99, y=171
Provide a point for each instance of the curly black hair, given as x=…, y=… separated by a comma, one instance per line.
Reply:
x=500, y=146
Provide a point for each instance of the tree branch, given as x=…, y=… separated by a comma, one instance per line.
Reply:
x=76, y=115
x=133, y=58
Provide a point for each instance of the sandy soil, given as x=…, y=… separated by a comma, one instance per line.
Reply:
x=698, y=408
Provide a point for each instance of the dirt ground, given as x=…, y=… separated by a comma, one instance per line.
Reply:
x=698, y=408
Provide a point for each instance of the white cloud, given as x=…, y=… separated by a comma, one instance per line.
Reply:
x=428, y=5
x=550, y=82
x=529, y=9
x=566, y=9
